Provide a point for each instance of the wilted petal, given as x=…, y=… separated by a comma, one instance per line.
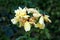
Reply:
x=27, y=26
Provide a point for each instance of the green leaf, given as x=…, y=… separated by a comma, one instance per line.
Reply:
x=47, y=33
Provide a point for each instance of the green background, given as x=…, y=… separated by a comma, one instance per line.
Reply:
x=8, y=31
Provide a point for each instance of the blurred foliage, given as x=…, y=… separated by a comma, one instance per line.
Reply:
x=8, y=31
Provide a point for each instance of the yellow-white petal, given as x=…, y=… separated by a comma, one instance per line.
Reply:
x=41, y=23
x=26, y=16
x=36, y=14
x=20, y=8
x=17, y=11
x=32, y=10
x=41, y=20
x=27, y=26
x=46, y=18
x=40, y=26
x=24, y=9
x=20, y=24
x=20, y=12
x=13, y=21
x=36, y=25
